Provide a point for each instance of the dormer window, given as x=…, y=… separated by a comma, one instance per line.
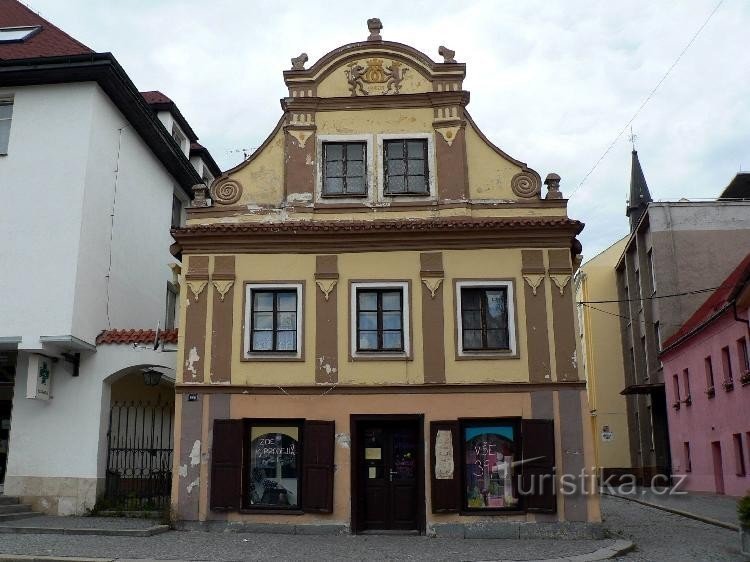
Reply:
x=344, y=169
x=406, y=167
x=18, y=34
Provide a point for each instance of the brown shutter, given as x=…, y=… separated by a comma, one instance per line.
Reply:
x=538, y=468
x=226, y=465
x=318, y=446
x=446, y=493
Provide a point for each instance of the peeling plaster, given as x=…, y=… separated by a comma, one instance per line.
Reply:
x=299, y=198
x=194, y=484
x=343, y=440
x=193, y=357
x=195, y=453
x=182, y=471
x=574, y=360
x=326, y=366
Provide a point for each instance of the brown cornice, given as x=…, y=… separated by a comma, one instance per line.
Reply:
x=400, y=101
x=428, y=388
x=305, y=236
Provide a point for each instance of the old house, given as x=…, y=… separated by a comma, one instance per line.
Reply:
x=377, y=328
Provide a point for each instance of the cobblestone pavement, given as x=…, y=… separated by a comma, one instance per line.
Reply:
x=660, y=536
x=712, y=506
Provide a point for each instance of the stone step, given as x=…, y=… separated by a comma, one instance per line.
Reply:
x=14, y=508
x=15, y=516
x=9, y=500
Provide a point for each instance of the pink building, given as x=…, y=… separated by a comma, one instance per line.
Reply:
x=707, y=379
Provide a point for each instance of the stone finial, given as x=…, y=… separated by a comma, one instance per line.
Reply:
x=552, y=181
x=298, y=63
x=447, y=54
x=374, y=25
x=199, y=195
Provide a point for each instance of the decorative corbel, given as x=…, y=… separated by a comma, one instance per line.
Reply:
x=560, y=279
x=326, y=286
x=196, y=287
x=222, y=286
x=534, y=280
x=432, y=284
x=302, y=136
x=448, y=133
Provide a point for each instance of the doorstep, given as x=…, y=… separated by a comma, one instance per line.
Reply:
x=72, y=525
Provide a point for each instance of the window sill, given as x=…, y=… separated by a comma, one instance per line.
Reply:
x=483, y=355
x=262, y=357
x=270, y=511
x=343, y=196
x=379, y=356
x=480, y=512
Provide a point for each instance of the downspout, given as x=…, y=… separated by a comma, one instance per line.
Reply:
x=737, y=318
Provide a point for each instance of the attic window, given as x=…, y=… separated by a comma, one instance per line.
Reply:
x=18, y=34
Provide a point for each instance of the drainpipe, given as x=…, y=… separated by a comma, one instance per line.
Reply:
x=737, y=318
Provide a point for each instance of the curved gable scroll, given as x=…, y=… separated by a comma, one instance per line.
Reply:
x=374, y=68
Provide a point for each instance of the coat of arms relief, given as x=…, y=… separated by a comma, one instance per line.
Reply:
x=378, y=78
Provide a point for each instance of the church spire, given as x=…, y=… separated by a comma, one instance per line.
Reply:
x=639, y=194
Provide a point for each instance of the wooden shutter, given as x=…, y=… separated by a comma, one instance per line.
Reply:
x=446, y=493
x=226, y=465
x=537, y=470
x=318, y=446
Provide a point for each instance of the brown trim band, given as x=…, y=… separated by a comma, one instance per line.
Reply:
x=195, y=318
x=447, y=388
x=326, y=319
x=537, y=334
x=433, y=332
x=354, y=103
x=222, y=321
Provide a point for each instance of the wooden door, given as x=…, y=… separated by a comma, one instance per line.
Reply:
x=389, y=470
x=718, y=467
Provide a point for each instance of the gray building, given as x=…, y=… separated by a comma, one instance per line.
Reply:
x=677, y=252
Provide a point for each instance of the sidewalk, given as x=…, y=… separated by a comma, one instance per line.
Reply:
x=710, y=508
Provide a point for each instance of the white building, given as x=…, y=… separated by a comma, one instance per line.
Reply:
x=92, y=176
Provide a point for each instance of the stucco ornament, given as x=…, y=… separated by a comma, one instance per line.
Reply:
x=448, y=133
x=226, y=192
x=196, y=287
x=298, y=63
x=534, y=280
x=380, y=76
x=301, y=136
x=326, y=286
x=525, y=184
x=432, y=284
x=448, y=55
x=222, y=287
x=560, y=279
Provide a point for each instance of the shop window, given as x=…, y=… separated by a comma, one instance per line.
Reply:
x=485, y=317
x=273, y=320
x=489, y=451
x=380, y=319
x=344, y=169
x=739, y=455
x=272, y=465
x=273, y=469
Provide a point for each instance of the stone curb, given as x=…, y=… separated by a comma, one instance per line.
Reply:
x=618, y=548
x=687, y=514
x=151, y=531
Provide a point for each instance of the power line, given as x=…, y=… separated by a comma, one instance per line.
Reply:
x=695, y=292
x=648, y=98
x=624, y=317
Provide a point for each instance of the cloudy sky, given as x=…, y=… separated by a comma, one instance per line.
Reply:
x=552, y=83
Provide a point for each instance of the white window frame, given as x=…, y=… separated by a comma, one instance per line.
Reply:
x=431, y=167
x=405, y=319
x=249, y=288
x=369, y=174
x=511, y=304
x=650, y=259
x=7, y=100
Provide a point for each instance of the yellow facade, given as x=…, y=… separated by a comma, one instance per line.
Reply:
x=599, y=330
x=482, y=225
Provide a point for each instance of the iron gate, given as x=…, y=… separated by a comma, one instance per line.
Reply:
x=139, y=455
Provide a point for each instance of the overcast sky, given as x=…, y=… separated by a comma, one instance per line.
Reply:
x=552, y=83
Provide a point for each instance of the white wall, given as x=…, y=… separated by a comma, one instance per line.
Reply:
x=41, y=188
x=57, y=185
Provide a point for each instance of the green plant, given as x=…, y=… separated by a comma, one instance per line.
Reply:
x=743, y=510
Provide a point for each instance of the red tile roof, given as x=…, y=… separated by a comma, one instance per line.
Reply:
x=49, y=42
x=135, y=336
x=718, y=300
x=155, y=96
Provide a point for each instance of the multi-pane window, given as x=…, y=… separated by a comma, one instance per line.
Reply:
x=484, y=318
x=274, y=467
x=344, y=169
x=6, y=113
x=686, y=386
x=726, y=359
x=273, y=320
x=743, y=355
x=406, y=168
x=739, y=455
x=380, y=319
x=709, y=374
